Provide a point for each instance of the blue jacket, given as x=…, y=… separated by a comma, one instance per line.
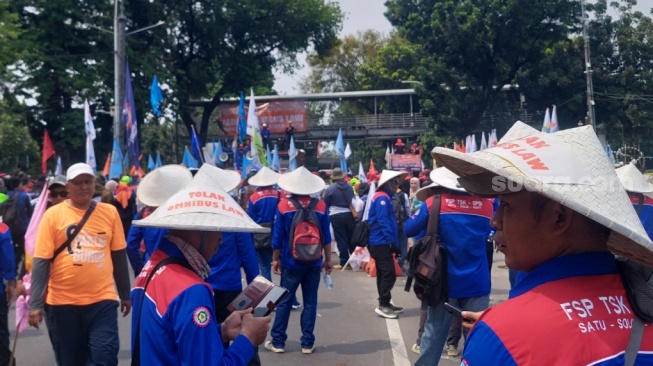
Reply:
x=646, y=213
x=262, y=205
x=574, y=310
x=463, y=229
x=281, y=232
x=7, y=261
x=236, y=251
x=178, y=324
x=150, y=235
x=382, y=221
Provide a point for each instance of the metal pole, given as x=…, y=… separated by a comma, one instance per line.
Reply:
x=120, y=22
x=588, y=69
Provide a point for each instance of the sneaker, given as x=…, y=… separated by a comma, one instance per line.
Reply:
x=308, y=351
x=386, y=312
x=337, y=266
x=452, y=351
x=415, y=348
x=296, y=306
x=397, y=309
x=270, y=347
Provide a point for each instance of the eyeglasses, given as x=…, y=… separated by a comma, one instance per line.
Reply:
x=63, y=194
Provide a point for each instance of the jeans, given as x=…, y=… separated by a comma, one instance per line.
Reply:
x=343, y=228
x=291, y=279
x=455, y=331
x=385, y=272
x=222, y=300
x=84, y=334
x=264, y=256
x=423, y=311
x=437, y=327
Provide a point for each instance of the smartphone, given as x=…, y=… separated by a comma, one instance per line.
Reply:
x=452, y=308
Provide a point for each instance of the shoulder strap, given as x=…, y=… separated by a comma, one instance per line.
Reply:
x=313, y=203
x=635, y=341
x=434, y=216
x=136, y=355
x=76, y=231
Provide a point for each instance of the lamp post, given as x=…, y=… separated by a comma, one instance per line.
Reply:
x=119, y=40
x=411, y=96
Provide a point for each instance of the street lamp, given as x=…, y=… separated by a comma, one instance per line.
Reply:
x=119, y=36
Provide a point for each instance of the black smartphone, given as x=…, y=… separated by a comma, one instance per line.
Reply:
x=452, y=308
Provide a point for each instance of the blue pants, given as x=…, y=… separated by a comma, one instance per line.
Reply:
x=291, y=279
x=264, y=256
x=84, y=334
x=436, y=329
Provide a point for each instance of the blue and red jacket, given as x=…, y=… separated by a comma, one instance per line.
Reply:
x=151, y=236
x=281, y=235
x=7, y=261
x=464, y=227
x=177, y=318
x=646, y=213
x=382, y=221
x=236, y=251
x=262, y=204
x=571, y=310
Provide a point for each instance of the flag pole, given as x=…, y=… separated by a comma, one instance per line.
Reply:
x=12, y=359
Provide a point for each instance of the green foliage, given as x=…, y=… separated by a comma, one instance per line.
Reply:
x=17, y=146
x=363, y=151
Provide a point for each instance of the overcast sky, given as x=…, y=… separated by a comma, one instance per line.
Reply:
x=361, y=15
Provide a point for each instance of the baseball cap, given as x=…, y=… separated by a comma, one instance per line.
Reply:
x=78, y=169
x=58, y=180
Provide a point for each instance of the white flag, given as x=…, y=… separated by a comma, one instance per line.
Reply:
x=554, y=121
x=347, y=151
x=90, y=136
x=361, y=173
x=483, y=141
x=474, y=147
x=546, y=127
x=253, y=126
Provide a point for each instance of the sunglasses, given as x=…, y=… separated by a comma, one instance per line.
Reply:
x=59, y=194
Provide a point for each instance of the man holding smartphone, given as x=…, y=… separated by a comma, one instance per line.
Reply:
x=562, y=210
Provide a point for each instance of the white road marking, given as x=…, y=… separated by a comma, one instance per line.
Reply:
x=399, y=351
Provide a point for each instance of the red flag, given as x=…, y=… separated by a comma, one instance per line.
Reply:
x=48, y=151
x=107, y=166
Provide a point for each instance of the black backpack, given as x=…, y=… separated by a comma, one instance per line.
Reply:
x=427, y=262
x=11, y=216
x=399, y=206
x=305, y=233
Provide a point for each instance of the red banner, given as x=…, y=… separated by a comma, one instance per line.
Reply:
x=275, y=114
x=407, y=161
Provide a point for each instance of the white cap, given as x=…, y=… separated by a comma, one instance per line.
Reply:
x=78, y=169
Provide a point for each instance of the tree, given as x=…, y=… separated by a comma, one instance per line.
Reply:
x=17, y=146
x=474, y=48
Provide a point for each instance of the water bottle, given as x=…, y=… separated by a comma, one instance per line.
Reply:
x=328, y=281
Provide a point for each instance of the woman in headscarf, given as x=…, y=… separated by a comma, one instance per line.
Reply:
x=414, y=202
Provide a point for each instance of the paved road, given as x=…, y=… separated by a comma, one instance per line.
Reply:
x=348, y=331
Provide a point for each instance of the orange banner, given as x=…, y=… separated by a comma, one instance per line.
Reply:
x=275, y=114
x=407, y=161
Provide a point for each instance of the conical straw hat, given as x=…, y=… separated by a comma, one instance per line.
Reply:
x=301, y=182
x=264, y=178
x=387, y=175
x=209, y=174
x=443, y=181
x=569, y=167
x=160, y=184
x=633, y=180
x=202, y=205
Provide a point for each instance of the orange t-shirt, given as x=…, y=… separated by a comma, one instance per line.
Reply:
x=85, y=276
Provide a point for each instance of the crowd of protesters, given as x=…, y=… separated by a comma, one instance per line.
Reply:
x=191, y=258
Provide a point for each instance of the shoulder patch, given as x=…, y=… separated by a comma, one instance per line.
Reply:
x=382, y=203
x=201, y=316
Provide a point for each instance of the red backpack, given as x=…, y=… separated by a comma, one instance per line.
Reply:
x=305, y=234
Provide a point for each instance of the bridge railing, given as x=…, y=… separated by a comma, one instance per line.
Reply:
x=392, y=120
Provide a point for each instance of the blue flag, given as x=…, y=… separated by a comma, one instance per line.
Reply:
x=195, y=145
x=275, y=159
x=156, y=96
x=242, y=121
x=189, y=160
x=217, y=151
x=246, y=167
x=125, y=162
x=158, y=162
x=129, y=119
x=340, y=149
x=268, y=156
x=116, y=169
x=150, y=163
